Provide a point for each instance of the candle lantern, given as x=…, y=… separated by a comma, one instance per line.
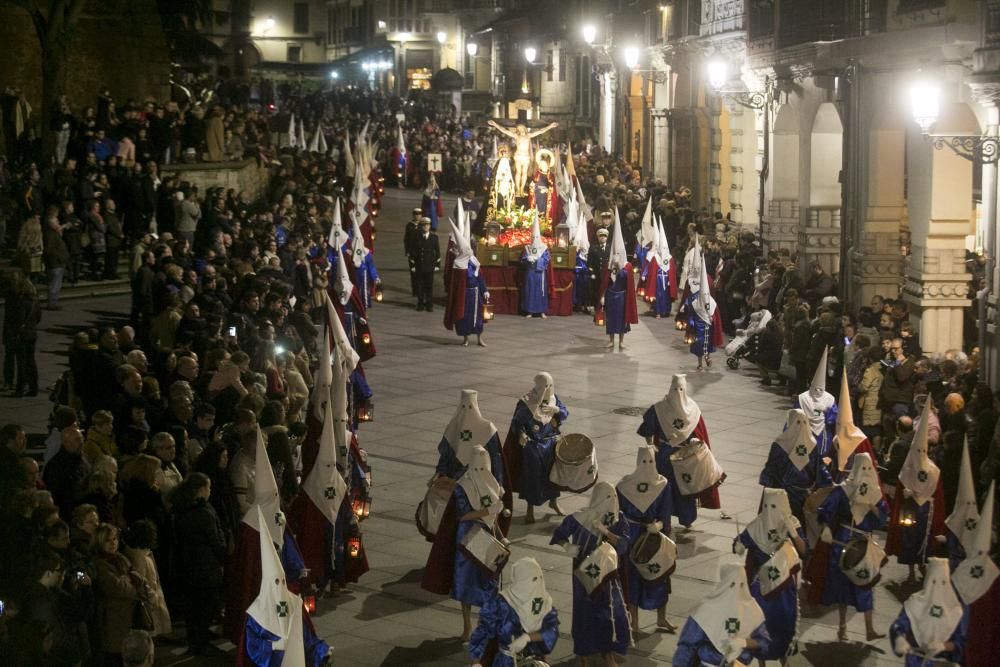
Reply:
x=378, y=288
x=354, y=546
x=562, y=235
x=680, y=325
x=310, y=603
x=366, y=411
x=641, y=292
x=362, y=506
x=366, y=338
x=488, y=312
x=493, y=230
x=689, y=337
x=599, y=319
x=908, y=513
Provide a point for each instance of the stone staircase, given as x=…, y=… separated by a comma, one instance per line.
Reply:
x=83, y=289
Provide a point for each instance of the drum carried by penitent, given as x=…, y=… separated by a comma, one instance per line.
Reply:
x=575, y=466
x=861, y=561
x=654, y=555
x=431, y=509
x=480, y=545
x=810, y=509
x=695, y=468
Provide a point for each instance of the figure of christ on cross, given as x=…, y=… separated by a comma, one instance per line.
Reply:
x=522, y=149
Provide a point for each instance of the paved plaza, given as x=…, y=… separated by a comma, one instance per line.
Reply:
x=420, y=368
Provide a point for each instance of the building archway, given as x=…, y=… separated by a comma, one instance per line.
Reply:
x=819, y=237
x=780, y=228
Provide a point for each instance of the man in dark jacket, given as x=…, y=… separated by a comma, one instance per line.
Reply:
x=424, y=262
x=819, y=286
x=896, y=394
x=66, y=473
x=410, y=235
x=142, y=297
x=114, y=238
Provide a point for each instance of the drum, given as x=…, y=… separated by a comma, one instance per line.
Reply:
x=575, y=465
x=431, y=509
x=861, y=561
x=654, y=555
x=597, y=568
x=485, y=550
x=695, y=468
x=810, y=510
x=779, y=568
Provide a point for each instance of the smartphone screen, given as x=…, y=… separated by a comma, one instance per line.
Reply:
x=232, y=331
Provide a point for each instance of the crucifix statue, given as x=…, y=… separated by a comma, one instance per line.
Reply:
x=522, y=149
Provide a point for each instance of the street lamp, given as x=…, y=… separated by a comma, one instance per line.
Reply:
x=530, y=53
x=472, y=48
x=442, y=37
x=631, y=56
x=718, y=73
x=589, y=33
x=335, y=75
x=269, y=23
x=925, y=105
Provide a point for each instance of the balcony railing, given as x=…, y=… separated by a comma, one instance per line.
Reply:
x=777, y=24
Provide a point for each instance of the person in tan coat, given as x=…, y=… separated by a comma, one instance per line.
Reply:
x=140, y=540
x=117, y=589
x=868, y=390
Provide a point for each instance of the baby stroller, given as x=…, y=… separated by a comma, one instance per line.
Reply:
x=744, y=345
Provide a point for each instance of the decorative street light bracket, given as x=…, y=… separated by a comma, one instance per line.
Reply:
x=980, y=149
x=657, y=76
x=751, y=99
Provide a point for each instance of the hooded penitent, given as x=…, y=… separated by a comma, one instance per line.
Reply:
x=481, y=487
x=537, y=247
x=964, y=517
x=644, y=485
x=775, y=523
x=862, y=487
x=324, y=484
x=797, y=440
x=975, y=575
x=526, y=594
x=275, y=604
x=647, y=231
x=815, y=401
x=617, y=257
x=935, y=611
x=541, y=400
x=342, y=284
x=468, y=428
x=265, y=497
x=337, y=237
x=677, y=412
x=602, y=509
x=849, y=436
x=358, y=249
x=728, y=615
x=704, y=305
x=919, y=474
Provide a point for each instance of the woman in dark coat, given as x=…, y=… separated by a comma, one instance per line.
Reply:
x=27, y=313
x=214, y=463
x=201, y=555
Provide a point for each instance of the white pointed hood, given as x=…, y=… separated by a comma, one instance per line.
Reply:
x=302, y=135
x=537, y=247
x=729, y=612
x=320, y=395
x=602, y=507
x=797, y=440
x=323, y=147
x=358, y=249
x=337, y=236
x=265, y=496
x=274, y=605
x=541, y=400
x=935, y=611
x=526, y=594
x=693, y=269
x=663, y=244
x=617, y=257
x=644, y=485
x=704, y=305
x=293, y=138
x=677, y=412
x=481, y=487
x=647, y=231
x=964, y=517
x=775, y=523
x=468, y=428
x=324, y=484
x=348, y=155
x=359, y=196
x=342, y=284
x=653, y=253
x=815, y=401
x=295, y=649
x=400, y=143
x=975, y=575
x=582, y=239
x=849, y=436
x=919, y=474
x=343, y=360
x=463, y=249
x=862, y=487
x=572, y=213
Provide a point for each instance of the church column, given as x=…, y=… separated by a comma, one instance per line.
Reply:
x=715, y=146
x=609, y=92
x=661, y=144
x=939, y=195
x=876, y=261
